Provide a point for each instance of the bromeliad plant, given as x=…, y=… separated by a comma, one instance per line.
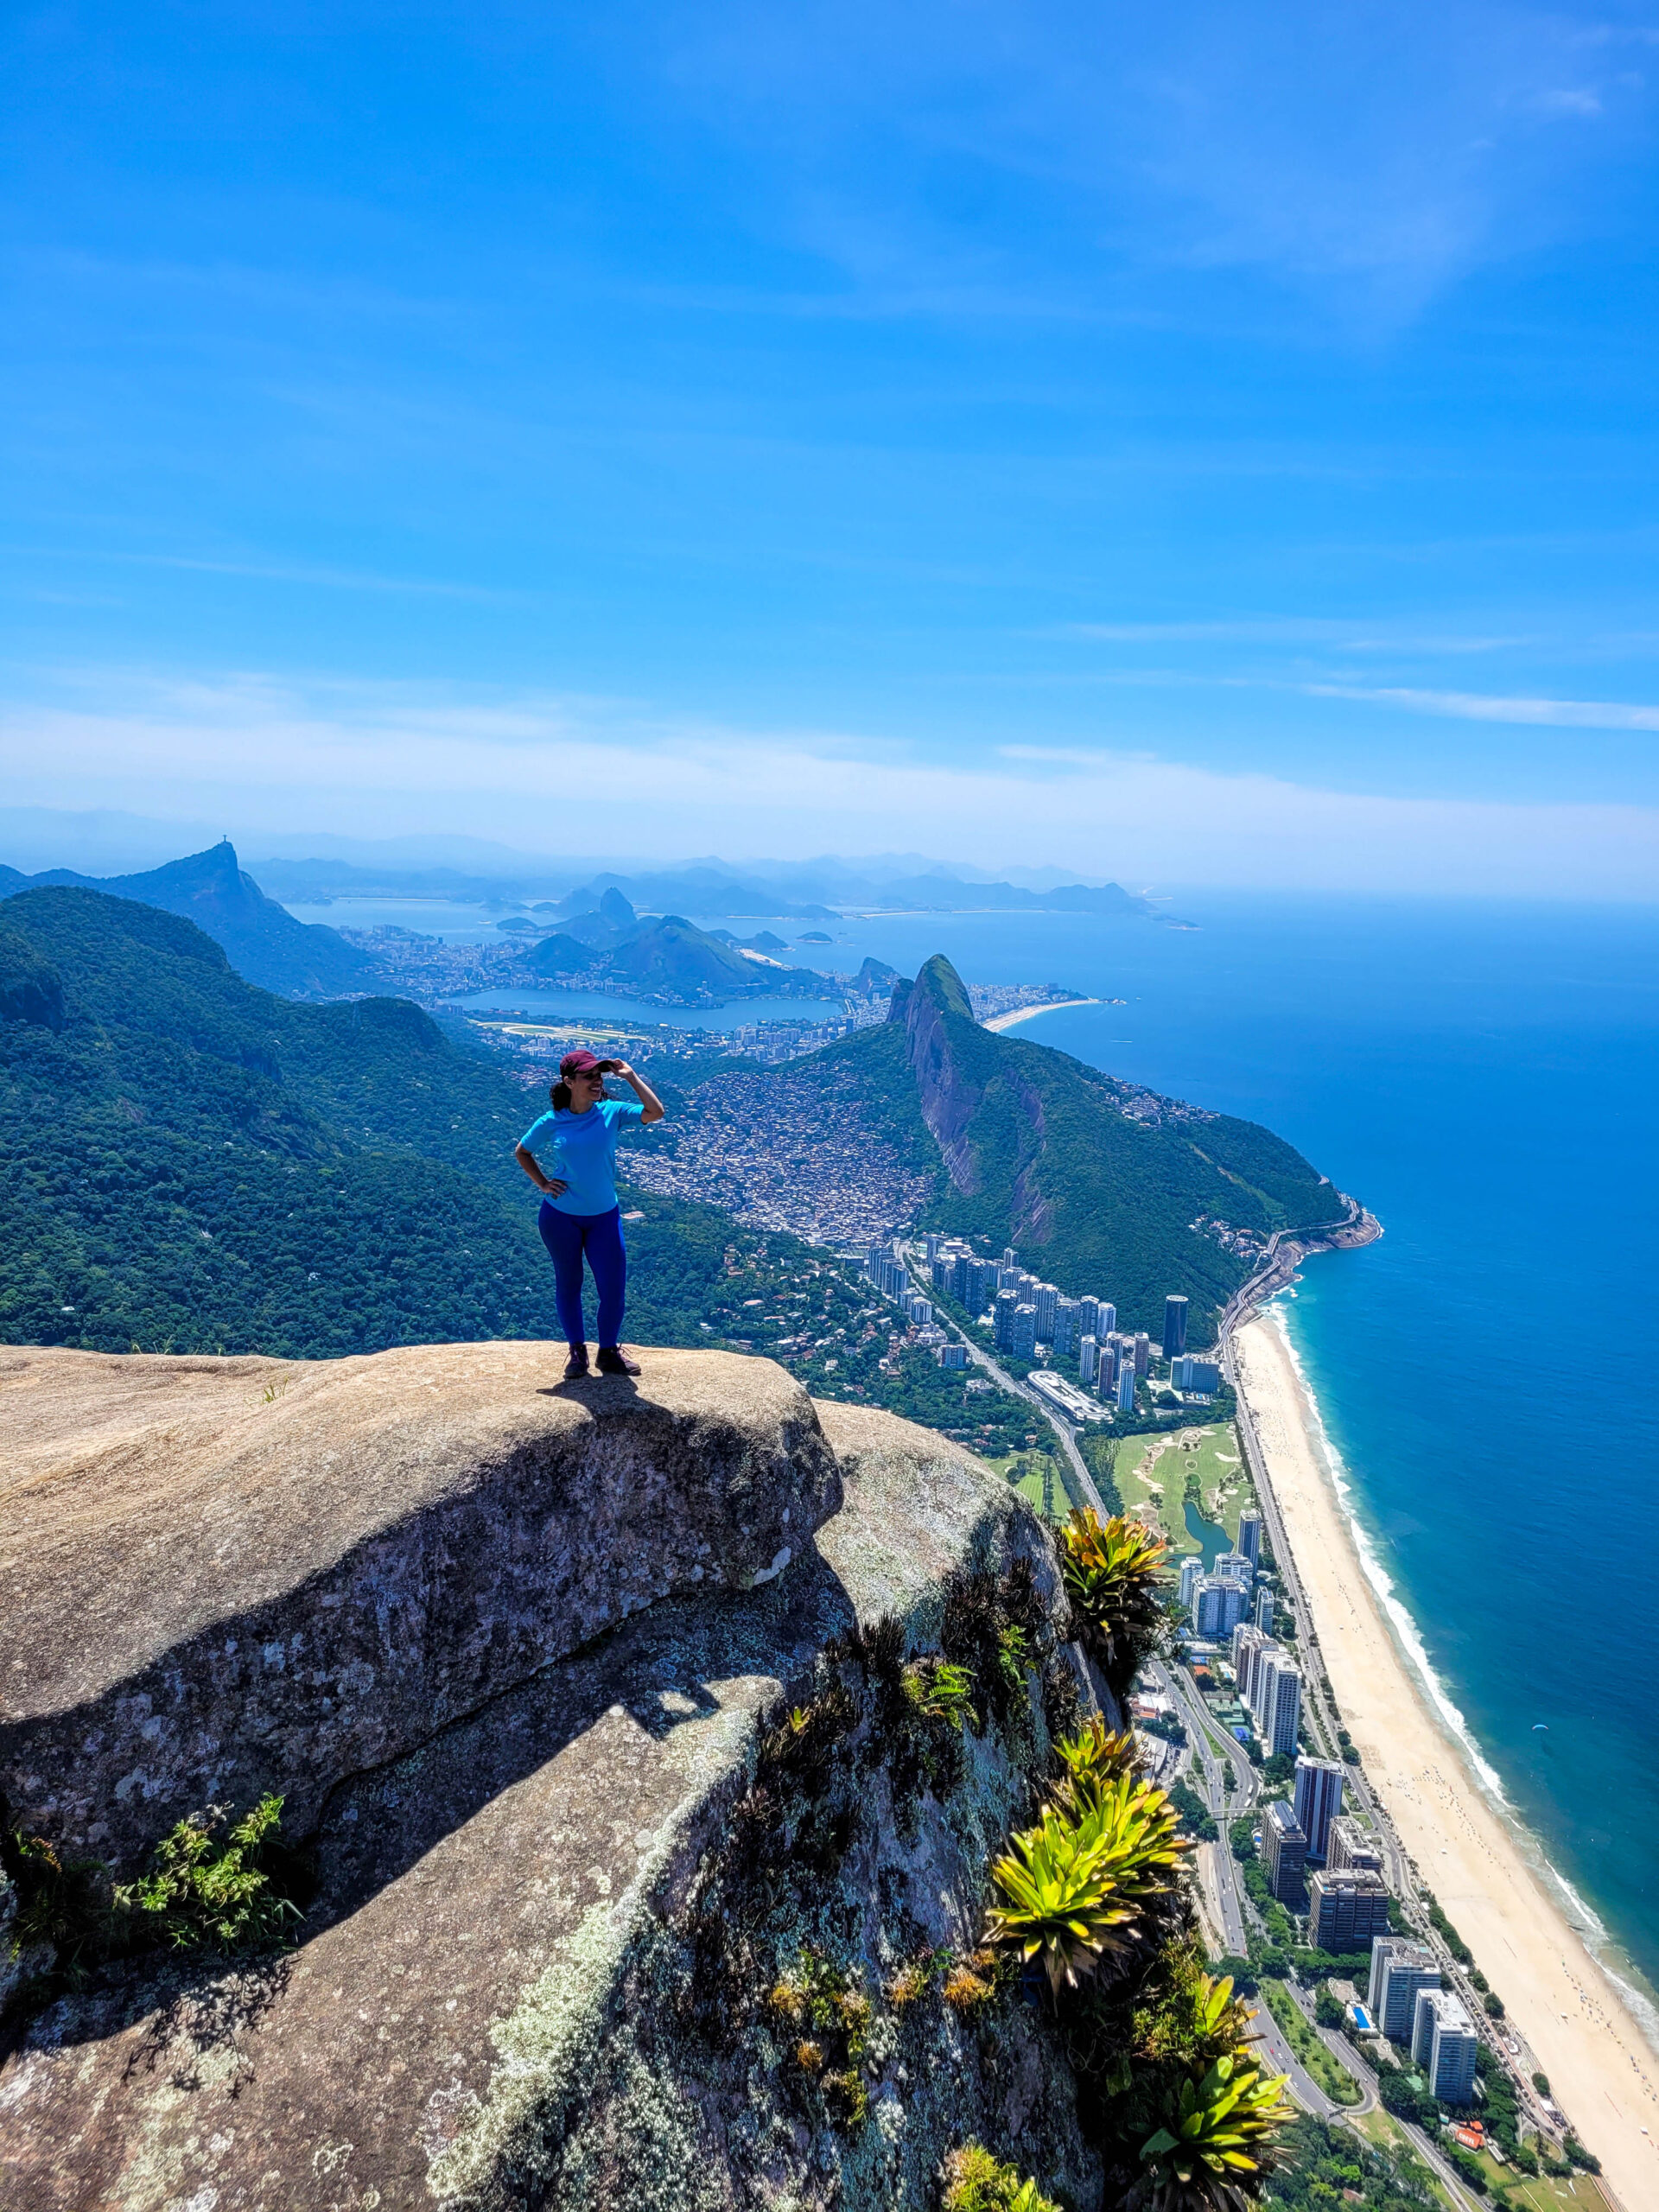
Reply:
x=1096, y=1754
x=1113, y=1578
x=1215, y=2148
x=976, y=2182
x=1079, y=1887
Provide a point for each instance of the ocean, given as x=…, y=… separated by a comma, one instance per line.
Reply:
x=1482, y=1076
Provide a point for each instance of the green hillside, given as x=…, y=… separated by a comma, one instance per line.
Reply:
x=670, y=959
x=192, y=1163
x=1094, y=1182
x=265, y=942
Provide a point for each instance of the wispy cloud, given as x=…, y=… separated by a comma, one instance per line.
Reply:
x=569, y=773
x=1480, y=707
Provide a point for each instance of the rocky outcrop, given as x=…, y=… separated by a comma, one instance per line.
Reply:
x=230, y=1576
x=948, y=1093
x=551, y=1955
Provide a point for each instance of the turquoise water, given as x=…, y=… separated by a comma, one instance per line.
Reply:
x=1483, y=1077
x=1210, y=1540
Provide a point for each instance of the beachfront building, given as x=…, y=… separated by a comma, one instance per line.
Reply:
x=1174, y=1327
x=1399, y=1967
x=1278, y=1706
x=1235, y=1567
x=1444, y=2044
x=1284, y=1853
x=1249, y=1535
x=1318, y=1800
x=1088, y=1352
x=1126, y=1387
x=1349, y=1910
x=1194, y=1377
x=1352, y=1844
x=1264, y=1611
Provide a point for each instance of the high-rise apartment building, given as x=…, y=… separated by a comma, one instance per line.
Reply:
x=1264, y=1610
x=1105, y=1318
x=932, y=1244
x=1087, y=1350
x=1192, y=1568
x=1003, y=1331
x=1045, y=1298
x=952, y=1355
x=1318, y=1800
x=1346, y=1911
x=1279, y=1702
x=1284, y=1853
x=1126, y=1387
x=1023, y=1343
x=1399, y=1967
x=1236, y=1565
x=1352, y=1844
x=1065, y=1340
x=1249, y=1535
x=1174, y=1327
x=1009, y=1257
x=1247, y=1645
x=1197, y=1378
x=1444, y=2044
x=1218, y=1605
x=1142, y=1355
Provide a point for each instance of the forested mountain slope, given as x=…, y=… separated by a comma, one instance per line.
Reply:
x=192, y=1163
x=1096, y=1182
x=265, y=942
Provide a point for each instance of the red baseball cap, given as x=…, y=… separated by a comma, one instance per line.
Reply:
x=581, y=1062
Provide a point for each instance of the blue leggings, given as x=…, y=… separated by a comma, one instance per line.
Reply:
x=566, y=1236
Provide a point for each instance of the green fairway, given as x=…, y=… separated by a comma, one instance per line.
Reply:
x=1152, y=1472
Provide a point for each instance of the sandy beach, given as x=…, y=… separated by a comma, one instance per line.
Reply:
x=1030, y=1013
x=1601, y=2068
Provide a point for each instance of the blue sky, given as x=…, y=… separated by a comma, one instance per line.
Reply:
x=1208, y=442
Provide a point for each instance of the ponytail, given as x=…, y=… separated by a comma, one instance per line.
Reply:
x=560, y=1094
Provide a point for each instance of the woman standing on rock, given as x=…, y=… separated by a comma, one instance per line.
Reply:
x=579, y=1216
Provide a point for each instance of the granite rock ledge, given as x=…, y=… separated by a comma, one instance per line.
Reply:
x=535, y=1973
x=228, y=1576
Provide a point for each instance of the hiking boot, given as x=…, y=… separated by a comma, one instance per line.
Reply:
x=613, y=1360
x=576, y=1368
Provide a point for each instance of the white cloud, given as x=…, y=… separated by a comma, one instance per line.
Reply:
x=1480, y=707
x=566, y=775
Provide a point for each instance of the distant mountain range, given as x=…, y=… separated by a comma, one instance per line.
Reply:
x=808, y=891
x=265, y=942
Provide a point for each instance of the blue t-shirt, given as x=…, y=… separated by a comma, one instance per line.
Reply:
x=580, y=1151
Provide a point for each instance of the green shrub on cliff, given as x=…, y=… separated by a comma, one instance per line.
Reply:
x=202, y=1893
x=975, y=2182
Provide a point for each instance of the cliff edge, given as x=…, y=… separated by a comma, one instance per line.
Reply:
x=642, y=1871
